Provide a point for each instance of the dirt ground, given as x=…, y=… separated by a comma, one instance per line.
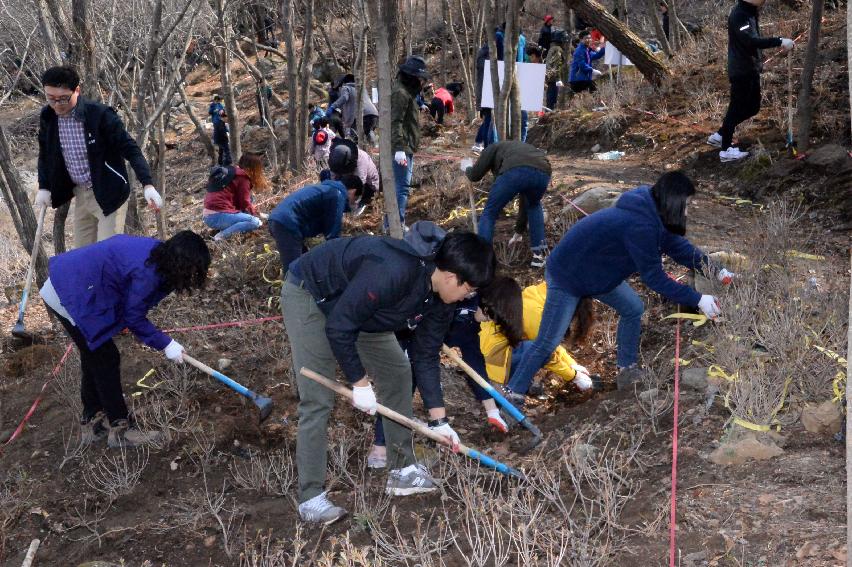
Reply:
x=786, y=511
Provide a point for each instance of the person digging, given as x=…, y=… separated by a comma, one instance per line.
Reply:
x=342, y=302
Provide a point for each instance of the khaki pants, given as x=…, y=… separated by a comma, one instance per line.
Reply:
x=386, y=365
x=90, y=224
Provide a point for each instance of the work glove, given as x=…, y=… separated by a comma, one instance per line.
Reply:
x=596, y=74
x=466, y=163
x=725, y=277
x=787, y=44
x=496, y=420
x=709, y=306
x=42, y=198
x=581, y=377
x=400, y=158
x=560, y=84
x=153, y=198
x=174, y=352
x=364, y=398
x=446, y=431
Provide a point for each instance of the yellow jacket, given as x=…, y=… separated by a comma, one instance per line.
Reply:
x=497, y=352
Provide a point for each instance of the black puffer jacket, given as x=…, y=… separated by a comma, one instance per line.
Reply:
x=108, y=145
x=379, y=284
x=744, y=41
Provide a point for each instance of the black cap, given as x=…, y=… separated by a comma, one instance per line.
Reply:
x=416, y=67
x=343, y=158
x=220, y=177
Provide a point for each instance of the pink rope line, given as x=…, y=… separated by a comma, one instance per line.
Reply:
x=223, y=325
x=673, y=513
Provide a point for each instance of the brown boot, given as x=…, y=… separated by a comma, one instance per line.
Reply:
x=122, y=434
x=93, y=429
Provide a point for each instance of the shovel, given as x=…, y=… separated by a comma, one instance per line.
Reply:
x=414, y=426
x=498, y=397
x=19, y=330
x=262, y=403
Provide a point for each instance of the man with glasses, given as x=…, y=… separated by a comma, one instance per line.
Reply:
x=342, y=303
x=82, y=148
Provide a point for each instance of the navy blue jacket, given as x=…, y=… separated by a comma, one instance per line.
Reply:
x=603, y=249
x=107, y=145
x=744, y=42
x=107, y=286
x=313, y=210
x=581, y=64
x=380, y=284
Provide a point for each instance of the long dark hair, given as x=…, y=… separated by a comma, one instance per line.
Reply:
x=501, y=300
x=582, y=323
x=670, y=194
x=181, y=261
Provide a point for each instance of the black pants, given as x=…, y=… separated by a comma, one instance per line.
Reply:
x=745, y=103
x=370, y=123
x=224, y=154
x=521, y=223
x=335, y=122
x=580, y=86
x=289, y=247
x=437, y=110
x=100, y=384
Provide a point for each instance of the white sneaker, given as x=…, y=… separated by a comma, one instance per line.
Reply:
x=218, y=237
x=477, y=148
x=715, y=140
x=320, y=510
x=516, y=238
x=732, y=154
x=413, y=479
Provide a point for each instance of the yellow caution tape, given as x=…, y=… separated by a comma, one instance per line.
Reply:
x=697, y=320
x=718, y=372
x=838, y=387
x=750, y=425
x=684, y=361
x=141, y=382
x=797, y=254
x=710, y=348
x=832, y=355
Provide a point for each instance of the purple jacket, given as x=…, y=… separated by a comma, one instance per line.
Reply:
x=106, y=287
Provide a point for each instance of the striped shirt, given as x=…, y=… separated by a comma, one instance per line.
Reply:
x=72, y=139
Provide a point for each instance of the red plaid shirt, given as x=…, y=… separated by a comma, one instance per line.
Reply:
x=72, y=139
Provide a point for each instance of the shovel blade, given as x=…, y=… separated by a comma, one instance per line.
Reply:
x=21, y=332
x=264, y=405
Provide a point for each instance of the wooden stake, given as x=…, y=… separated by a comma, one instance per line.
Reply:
x=31, y=552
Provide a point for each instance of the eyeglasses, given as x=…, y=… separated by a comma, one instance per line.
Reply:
x=58, y=99
x=470, y=294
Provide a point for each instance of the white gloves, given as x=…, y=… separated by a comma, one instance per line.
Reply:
x=787, y=44
x=364, y=398
x=709, y=306
x=153, y=198
x=466, y=163
x=400, y=158
x=596, y=74
x=725, y=277
x=581, y=379
x=42, y=199
x=447, y=431
x=174, y=352
x=496, y=420
x=560, y=84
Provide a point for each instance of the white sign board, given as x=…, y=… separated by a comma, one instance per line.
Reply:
x=530, y=82
x=375, y=95
x=613, y=56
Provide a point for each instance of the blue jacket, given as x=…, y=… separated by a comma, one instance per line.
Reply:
x=313, y=210
x=379, y=284
x=581, y=64
x=107, y=286
x=605, y=248
x=215, y=111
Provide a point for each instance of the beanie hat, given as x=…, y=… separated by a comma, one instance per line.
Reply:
x=343, y=158
x=548, y=18
x=220, y=177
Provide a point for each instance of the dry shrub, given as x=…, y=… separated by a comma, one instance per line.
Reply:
x=116, y=474
x=271, y=473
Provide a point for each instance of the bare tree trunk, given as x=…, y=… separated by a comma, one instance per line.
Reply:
x=849, y=66
x=360, y=71
x=674, y=28
x=409, y=41
x=805, y=102
x=444, y=48
x=287, y=20
x=228, y=95
x=59, y=218
x=621, y=37
x=199, y=128
x=20, y=209
x=651, y=6
x=497, y=112
x=469, y=81
x=87, y=59
x=384, y=21
x=54, y=55
x=305, y=68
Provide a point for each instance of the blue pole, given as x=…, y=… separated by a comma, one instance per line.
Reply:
x=492, y=463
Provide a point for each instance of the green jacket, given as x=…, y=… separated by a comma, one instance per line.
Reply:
x=555, y=65
x=405, y=120
x=503, y=156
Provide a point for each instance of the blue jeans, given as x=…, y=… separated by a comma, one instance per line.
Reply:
x=229, y=223
x=487, y=133
x=558, y=312
x=527, y=181
x=402, y=179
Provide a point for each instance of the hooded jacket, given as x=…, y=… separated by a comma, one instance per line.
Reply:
x=497, y=352
x=107, y=145
x=107, y=286
x=405, y=119
x=744, y=42
x=347, y=101
x=581, y=64
x=313, y=210
x=379, y=284
x=233, y=198
x=555, y=64
x=606, y=247
x=503, y=156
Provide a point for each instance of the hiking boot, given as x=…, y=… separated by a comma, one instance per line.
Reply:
x=477, y=148
x=732, y=154
x=122, y=434
x=539, y=259
x=378, y=458
x=628, y=376
x=536, y=390
x=715, y=140
x=413, y=479
x=514, y=398
x=93, y=429
x=320, y=510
